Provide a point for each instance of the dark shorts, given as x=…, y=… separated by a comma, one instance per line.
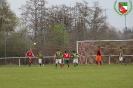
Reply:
x=66, y=60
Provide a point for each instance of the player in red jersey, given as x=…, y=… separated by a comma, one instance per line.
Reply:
x=30, y=54
x=98, y=57
x=66, y=57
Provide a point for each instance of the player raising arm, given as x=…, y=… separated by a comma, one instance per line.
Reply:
x=30, y=54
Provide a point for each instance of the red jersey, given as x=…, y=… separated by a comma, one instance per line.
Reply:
x=98, y=52
x=29, y=53
x=66, y=55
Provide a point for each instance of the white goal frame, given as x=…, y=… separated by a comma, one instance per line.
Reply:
x=103, y=41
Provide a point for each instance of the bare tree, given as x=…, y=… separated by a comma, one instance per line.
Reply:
x=33, y=13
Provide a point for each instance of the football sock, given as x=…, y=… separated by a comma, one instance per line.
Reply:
x=55, y=65
x=96, y=63
x=60, y=65
x=121, y=62
x=100, y=62
x=29, y=64
x=74, y=64
x=63, y=65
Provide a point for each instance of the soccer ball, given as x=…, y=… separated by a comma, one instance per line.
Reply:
x=34, y=43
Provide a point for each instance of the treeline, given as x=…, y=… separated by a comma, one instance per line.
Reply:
x=52, y=27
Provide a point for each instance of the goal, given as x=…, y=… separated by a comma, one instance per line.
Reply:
x=109, y=50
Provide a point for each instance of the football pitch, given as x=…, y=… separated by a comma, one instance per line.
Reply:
x=83, y=76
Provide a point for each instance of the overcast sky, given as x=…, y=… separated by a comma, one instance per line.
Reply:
x=113, y=18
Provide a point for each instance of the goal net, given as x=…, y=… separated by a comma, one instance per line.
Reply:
x=109, y=50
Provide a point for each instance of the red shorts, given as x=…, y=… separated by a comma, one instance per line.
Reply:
x=30, y=60
x=98, y=58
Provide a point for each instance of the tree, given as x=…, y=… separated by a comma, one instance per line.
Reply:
x=92, y=24
x=33, y=13
x=8, y=23
x=8, y=19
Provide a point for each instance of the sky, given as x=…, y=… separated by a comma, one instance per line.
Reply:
x=113, y=18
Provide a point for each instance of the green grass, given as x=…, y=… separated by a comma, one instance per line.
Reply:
x=84, y=76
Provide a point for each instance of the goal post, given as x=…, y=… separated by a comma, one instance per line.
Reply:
x=109, y=50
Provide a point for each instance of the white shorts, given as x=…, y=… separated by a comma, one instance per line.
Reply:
x=40, y=61
x=75, y=60
x=58, y=61
x=120, y=58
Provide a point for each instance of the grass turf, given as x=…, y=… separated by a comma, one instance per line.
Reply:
x=83, y=76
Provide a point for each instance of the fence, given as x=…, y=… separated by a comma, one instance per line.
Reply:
x=24, y=60
x=49, y=60
x=107, y=59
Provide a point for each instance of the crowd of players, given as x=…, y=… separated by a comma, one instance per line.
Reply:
x=64, y=58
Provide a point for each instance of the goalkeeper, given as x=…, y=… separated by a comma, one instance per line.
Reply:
x=98, y=57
